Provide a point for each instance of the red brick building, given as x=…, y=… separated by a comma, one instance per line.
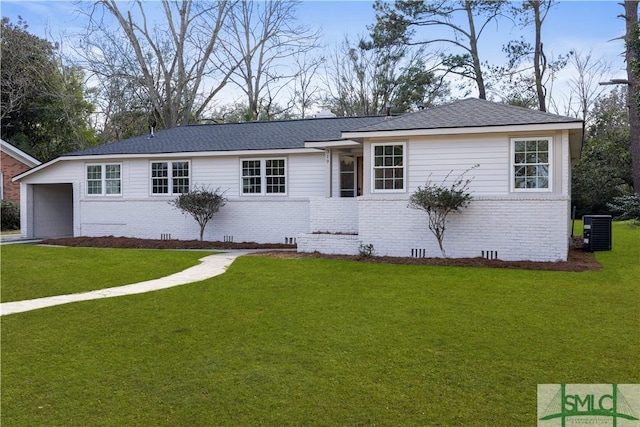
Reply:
x=13, y=161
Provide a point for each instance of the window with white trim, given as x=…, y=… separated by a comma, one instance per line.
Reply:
x=388, y=162
x=171, y=177
x=531, y=164
x=104, y=179
x=264, y=176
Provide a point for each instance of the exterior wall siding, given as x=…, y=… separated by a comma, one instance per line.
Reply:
x=433, y=159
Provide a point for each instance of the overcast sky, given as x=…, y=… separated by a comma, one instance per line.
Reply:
x=581, y=26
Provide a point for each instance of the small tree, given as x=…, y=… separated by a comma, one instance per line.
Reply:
x=438, y=201
x=201, y=203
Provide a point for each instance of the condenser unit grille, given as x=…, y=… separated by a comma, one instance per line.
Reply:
x=596, y=232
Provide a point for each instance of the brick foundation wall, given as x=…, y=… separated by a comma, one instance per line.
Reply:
x=524, y=228
x=260, y=221
x=342, y=244
x=335, y=215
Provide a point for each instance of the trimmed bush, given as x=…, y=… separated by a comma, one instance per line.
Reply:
x=10, y=215
x=626, y=207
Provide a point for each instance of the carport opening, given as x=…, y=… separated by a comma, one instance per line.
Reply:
x=52, y=210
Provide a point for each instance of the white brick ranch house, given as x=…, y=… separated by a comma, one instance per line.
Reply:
x=328, y=184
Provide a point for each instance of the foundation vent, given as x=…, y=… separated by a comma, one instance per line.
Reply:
x=490, y=254
x=228, y=239
x=418, y=253
x=289, y=240
x=165, y=236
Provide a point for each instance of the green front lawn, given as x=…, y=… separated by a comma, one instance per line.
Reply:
x=37, y=271
x=319, y=342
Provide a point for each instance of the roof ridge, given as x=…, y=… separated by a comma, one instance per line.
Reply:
x=282, y=120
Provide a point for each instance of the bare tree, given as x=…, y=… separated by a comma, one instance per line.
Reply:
x=366, y=79
x=584, y=85
x=176, y=62
x=351, y=84
x=306, y=87
x=266, y=43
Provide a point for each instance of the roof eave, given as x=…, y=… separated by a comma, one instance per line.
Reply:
x=19, y=155
x=166, y=155
x=462, y=130
x=332, y=144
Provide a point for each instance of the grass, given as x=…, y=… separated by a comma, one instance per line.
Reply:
x=9, y=232
x=34, y=271
x=319, y=342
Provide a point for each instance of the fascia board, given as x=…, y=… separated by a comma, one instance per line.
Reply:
x=332, y=144
x=20, y=155
x=462, y=131
x=176, y=155
x=35, y=169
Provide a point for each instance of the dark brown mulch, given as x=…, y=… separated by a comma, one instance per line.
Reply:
x=579, y=260
x=132, y=243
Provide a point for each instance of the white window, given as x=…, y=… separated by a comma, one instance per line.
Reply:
x=388, y=162
x=104, y=179
x=170, y=177
x=264, y=176
x=531, y=164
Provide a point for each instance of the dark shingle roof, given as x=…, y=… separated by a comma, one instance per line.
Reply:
x=288, y=134
x=234, y=136
x=467, y=113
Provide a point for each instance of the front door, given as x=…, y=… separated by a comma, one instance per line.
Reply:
x=350, y=175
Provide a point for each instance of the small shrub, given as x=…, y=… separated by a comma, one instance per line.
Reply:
x=626, y=207
x=366, y=251
x=201, y=203
x=10, y=215
x=439, y=200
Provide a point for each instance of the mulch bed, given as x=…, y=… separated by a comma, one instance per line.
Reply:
x=579, y=260
x=132, y=243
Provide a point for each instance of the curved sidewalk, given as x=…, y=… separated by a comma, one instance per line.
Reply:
x=210, y=266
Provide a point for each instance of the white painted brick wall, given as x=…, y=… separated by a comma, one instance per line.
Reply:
x=335, y=215
x=515, y=228
x=259, y=220
x=342, y=244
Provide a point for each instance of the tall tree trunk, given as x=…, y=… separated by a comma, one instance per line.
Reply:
x=632, y=39
x=473, y=48
x=539, y=61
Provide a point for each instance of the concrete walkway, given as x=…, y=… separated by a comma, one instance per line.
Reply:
x=210, y=266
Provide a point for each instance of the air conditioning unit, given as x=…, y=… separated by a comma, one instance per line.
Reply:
x=596, y=232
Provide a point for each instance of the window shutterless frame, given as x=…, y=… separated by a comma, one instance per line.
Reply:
x=388, y=167
x=103, y=179
x=263, y=177
x=170, y=177
x=531, y=164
